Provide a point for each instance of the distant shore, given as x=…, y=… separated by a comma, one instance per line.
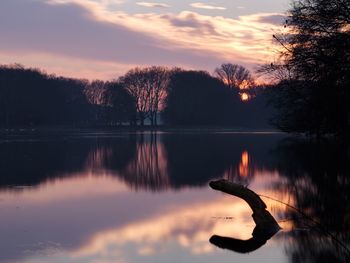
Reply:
x=103, y=130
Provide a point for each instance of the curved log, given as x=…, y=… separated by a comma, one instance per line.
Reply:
x=266, y=225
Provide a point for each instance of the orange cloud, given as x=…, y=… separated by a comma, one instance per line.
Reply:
x=244, y=40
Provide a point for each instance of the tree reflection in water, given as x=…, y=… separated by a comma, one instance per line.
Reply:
x=316, y=175
x=148, y=161
x=319, y=179
x=148, y=169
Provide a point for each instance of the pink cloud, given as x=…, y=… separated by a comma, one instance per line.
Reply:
x=86, y=33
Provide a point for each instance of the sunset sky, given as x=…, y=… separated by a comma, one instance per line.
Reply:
x=104, y=38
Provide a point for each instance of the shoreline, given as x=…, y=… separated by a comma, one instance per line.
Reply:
x=59, y=132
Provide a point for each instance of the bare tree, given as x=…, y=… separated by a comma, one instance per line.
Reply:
x=313, y=69
x=158, y=78
x=135, y=83
x=94, y=91
x=235, y=76
x=148, y=87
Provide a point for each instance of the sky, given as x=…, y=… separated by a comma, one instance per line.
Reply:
x=103, y=39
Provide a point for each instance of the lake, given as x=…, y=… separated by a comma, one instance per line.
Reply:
x=123, y=197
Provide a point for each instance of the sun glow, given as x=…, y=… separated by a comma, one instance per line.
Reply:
x=244, y=165
x=244, y=96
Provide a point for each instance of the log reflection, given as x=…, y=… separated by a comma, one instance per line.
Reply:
x=266, y=225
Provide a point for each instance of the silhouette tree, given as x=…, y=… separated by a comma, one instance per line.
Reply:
x=158, y=78
x=315, y=63
x=120, y=103
x=299, y=108
x=235, y=76
x=114, y=104
x=196, y=98
x=148, y=88
x=134, y=82
x=29, y=97
x=94, y=91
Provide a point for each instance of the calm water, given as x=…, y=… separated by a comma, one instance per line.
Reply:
x=104, y=197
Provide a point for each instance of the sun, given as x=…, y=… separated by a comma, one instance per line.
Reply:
x=244, y=96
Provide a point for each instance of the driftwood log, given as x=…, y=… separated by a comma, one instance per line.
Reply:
x=266, y=225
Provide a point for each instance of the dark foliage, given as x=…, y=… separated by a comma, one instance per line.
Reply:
x=256, y=112
x=120, y=104
x=196, y=98
x=314, y=93
x=29, y=97
x=113, y=104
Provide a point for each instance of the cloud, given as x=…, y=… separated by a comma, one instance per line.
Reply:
x=275, y=19
x=149, y=4
x=207, y=6
x=87, y=33
x=190, y=226
x=88, y=37
x=190, y=20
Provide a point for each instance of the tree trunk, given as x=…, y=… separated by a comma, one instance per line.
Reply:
x=155, y=119
x=142, y=118
x=152, y=121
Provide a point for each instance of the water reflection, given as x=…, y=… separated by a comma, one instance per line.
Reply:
x=319, y=180
x=93, y=198
x=266, y=225
x=148, y=168
x=244, y=164
x=238, y=245
x=148, y=161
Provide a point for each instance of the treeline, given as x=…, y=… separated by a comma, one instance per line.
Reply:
x=30, y=97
